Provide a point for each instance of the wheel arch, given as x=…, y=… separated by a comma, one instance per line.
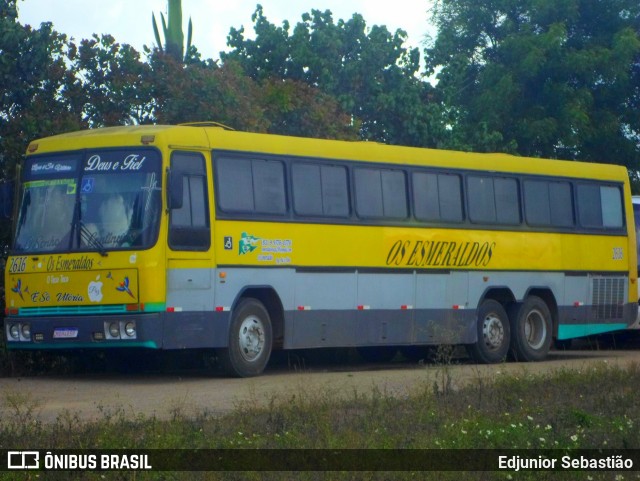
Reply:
x=501, y=294
x=270, y=299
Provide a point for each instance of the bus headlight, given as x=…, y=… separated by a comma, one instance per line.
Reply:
x=120, y=330
x=114, y=330
x=14, y=332
x=130, y=329
x=26, y=332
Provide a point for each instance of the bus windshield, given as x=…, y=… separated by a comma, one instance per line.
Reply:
x=92, y=201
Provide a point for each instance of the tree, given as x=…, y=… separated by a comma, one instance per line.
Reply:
x=550, y=78
x=112, y=83
x=34, y=79
x=369, y=71
x=200, y=93
x=294, y=108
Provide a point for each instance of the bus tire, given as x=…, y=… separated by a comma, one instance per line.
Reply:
x=493, y=331
x=531, y=330
x=250, y=340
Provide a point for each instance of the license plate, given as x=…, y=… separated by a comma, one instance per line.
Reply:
x=65, y=333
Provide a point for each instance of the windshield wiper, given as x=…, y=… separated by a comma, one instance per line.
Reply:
x=91, y=240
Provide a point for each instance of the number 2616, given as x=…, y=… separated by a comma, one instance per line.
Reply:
x=18, y=264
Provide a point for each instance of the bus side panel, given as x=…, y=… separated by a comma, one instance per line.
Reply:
x=379, y=308
x=195, y=329
x=574, y=309
x=443, y=312
x=325, y=304
x=191, y=321
x=342, y=309
x=190, y=289
x=384, y=304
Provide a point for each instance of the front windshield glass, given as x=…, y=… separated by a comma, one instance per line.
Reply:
x=101, y=200
x=46, y=213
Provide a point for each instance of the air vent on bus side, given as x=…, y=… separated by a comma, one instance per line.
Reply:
x=607, y=297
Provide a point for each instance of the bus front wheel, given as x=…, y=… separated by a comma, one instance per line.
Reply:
x=531, y=331
x=250, y=340
x=493, y=332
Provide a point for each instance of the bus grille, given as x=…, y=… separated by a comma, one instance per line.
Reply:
x=608, y=294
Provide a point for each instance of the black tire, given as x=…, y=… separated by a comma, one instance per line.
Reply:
x=531, y=330
x=250, y=340
x=494, y=335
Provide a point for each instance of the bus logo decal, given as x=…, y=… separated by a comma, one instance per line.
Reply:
x=94, y=290
x=247, y=244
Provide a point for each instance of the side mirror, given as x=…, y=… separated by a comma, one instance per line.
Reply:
x=176, y=189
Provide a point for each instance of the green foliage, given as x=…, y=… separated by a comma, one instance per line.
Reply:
x=542, y=78
x=112, y=85
x=294, y=108
x=535, y=77
x=200, y=92
x=49, y=85
x=368, y=70
x=33, y=74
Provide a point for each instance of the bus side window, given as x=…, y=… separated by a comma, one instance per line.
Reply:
x=548, y=203
x=189, y=224
x=600, y=206
x=320, y=190
x=493, y=200
x=380, y=193
x=437, y=197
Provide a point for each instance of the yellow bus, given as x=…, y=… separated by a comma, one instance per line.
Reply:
x=198, y=237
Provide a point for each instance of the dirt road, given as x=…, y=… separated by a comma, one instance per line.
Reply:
x=90, y=396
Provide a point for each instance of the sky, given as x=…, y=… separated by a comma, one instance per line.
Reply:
x=129, y=21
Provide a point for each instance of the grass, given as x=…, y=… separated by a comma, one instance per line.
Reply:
x=568, y=409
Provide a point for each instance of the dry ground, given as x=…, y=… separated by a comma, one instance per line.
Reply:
x=190, y=391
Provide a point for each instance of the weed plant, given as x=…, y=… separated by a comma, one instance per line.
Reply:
x=596, y=407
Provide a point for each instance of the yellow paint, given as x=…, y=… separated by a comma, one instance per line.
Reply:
x=288, y=244
x=418, y=248
x=74, y=288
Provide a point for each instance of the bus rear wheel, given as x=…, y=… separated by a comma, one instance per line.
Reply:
x=250, y=340
x=493, y=332
x=531, y=331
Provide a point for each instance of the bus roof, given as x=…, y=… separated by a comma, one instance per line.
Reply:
x=204, y=137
